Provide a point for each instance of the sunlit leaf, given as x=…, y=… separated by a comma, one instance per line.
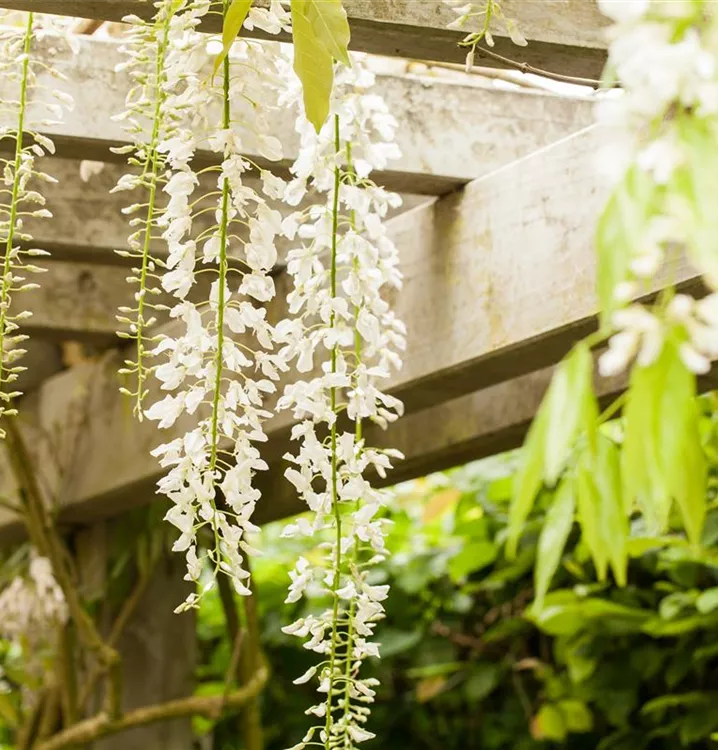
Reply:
x=707, y=601
x=612, y=515
x=331, y=27
x=620, y=230
x=549, y=724
x=528, y=479
x=662, y=457
x=577, y=715
x=589, y=515
x=554, y=536
x=472, y=557
x=233, y=21
x=567, y=407
x=313, y=64
x=696, y=186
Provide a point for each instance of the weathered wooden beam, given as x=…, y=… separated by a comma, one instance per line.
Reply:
x=499, y=284
x=565, y=36
x=449, y=133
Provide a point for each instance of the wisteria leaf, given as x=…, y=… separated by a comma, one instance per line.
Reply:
x=528, y=479
x=331, y=27
x=589, y=515
x=612, y=515
x=682, y=455
x=233, y=21
x=552, y=541
x=567, y=395
x=620, y=230
x=313, y=64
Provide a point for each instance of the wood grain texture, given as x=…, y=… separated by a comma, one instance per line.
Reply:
x=499, y=284
x=448, y=132
x=565, y=36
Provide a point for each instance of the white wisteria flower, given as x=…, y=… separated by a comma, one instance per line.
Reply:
x=21, y=199
x=663, y=156
x=345, y=339
x=217, y=362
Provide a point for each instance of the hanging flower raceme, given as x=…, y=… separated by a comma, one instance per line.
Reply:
x=345, y=337
x=20, y=197
x=663, y=152
x=32, y=606
x=161, y=66
x=220, y=367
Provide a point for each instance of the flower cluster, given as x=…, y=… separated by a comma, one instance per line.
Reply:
x=217, y=363
x=664, y=156
x=20, y=200
x=346, y=338
x=479, y=19
x=153, y=116
x=32, y=606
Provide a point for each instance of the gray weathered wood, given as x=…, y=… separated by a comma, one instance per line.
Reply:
x=499, y=283
x=565, y=36
x=449, y=133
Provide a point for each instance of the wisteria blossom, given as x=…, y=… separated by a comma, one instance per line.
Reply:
x=219, y=367
x=662, y=155
x=345, y=340
x=157, y=68
x=32, y=606
x=20, y=198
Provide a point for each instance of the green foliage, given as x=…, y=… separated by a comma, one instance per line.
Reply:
x=321, y=34
x=470, y=661
x=233, y=21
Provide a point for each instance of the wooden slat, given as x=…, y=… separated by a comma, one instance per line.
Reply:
x=449, y=133
x=565, y=36
x=499, y=284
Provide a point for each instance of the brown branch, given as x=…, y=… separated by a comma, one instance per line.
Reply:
x=67, y=676
x=524, y=67
x=250, y=720
x=103, y=725
x=128, y=608
x=44, y=536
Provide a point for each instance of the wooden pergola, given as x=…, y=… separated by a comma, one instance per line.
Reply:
x=498, y=255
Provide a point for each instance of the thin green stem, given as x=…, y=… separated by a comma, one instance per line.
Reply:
x=333, y=438
x=357, y=436
x=7, y=264
x=153, y=156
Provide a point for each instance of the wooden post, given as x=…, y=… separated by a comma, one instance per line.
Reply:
x=157, y=647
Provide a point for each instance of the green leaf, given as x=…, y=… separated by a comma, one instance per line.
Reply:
x=552, y=541
x=331, y=27
x=528, y=479
x=707, y=601
x=313, y=64
x=612, y=515
x=589, y=515
x=620, y=230
x=8, y=710
x=664, y=702
x=565, y=613
x=393, y=641
x=660, y=628
x=549, y=724
x=473, y=556
x=577, y=716
x=696, y=185
x=568, y=405
x=233, y=21
x=663, y=458
x=483, y=679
